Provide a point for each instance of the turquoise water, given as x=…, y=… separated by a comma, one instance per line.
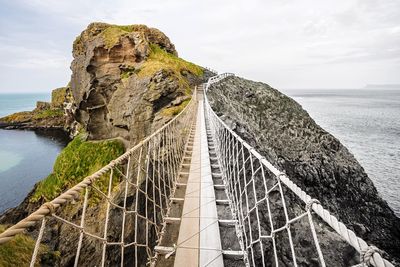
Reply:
x=367, y=122
x=11, y=103
x=25, y=156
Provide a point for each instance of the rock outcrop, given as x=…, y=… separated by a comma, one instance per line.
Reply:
x=124, y=78
x=315, y=160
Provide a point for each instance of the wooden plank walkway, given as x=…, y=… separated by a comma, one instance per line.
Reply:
x=199, y=241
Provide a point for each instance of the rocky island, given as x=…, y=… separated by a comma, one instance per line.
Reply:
x=128, y=81
x=45, y=116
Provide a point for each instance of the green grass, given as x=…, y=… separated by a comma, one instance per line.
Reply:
x=18, y=251
x=173, y=111
x=127, y=72
x=58, y=97
x=48, y=113
x=112, y=34
x=17, y=117
x=161, y=59
x=78, y=160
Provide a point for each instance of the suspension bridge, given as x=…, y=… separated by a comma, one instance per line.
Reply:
x=193, y=193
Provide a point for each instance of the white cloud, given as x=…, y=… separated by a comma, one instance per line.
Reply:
x=26, y=58
x=291, y=43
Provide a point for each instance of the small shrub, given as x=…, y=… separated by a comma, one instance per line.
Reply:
x=173, y=111
x=18, y=251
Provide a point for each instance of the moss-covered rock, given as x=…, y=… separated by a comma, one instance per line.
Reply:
x=58, y=98
x=18, y=251
x=110, y=35
x=78, y=160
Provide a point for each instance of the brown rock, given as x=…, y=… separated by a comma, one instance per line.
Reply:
x=112, y=97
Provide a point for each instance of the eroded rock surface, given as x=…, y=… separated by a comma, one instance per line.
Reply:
x=121, y=84
x=315, y=160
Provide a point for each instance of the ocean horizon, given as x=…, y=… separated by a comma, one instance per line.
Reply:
x=16, y=102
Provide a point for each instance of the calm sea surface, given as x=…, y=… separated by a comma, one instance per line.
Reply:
x=25, y=156
x=368, y=123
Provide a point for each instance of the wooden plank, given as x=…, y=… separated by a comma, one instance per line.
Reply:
x=210, y=242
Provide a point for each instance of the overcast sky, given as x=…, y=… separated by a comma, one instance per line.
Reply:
x=285, y=43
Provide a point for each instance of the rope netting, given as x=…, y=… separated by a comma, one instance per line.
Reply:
x=120, y=210
x=259, y=194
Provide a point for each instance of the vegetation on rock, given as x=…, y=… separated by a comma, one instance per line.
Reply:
x=127, y=72
x=173, y=111
x=45, y=115
x=17, y=117
x=18, y=251
x=112, y=34
x=48, y=113
x=78, y=160
x=58, y=97
x=160, y=59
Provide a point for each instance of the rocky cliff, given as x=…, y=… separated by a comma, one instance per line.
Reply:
x=127, y=81
x=315, y=160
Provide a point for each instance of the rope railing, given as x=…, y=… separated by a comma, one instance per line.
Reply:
x=257, y=190
x=211, y=70
x=122, y=206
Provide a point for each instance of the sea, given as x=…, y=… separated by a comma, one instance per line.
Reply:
x=26, y=157
x=367, y=122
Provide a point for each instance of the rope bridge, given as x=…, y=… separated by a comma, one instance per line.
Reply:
x=137, y=189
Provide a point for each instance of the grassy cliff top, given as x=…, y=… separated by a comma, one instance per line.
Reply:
x=111, y=34
x=78, y=160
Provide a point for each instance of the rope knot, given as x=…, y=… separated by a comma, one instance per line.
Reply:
x=367, y=254
x=311, y=202
x=281, y=174
x=91, y=179
x=272, y=235
x=50, y=207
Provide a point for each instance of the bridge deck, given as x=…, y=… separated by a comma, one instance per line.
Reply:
x=199, y=241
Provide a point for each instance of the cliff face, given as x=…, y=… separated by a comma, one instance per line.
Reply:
x=124, y=80
x=316, y=161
